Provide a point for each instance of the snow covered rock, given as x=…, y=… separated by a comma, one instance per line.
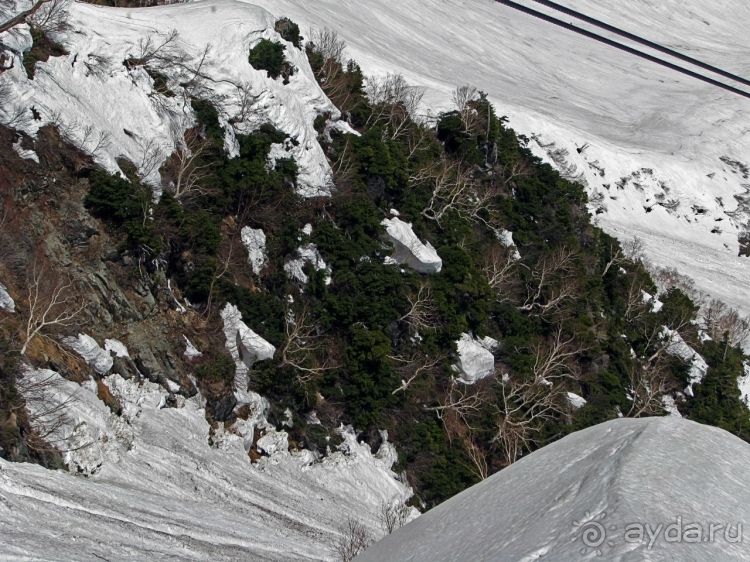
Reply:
x=409, y=249
x=575, y=400
x=274, y=442
x=116, y=347
x=677, y=346
x=586, y=497
x=241, y=340
x=254, y=241
x=6, y=301
x=191, y=352
x=475, y=359
x=306, y=254
x=24, y=153
x=96, y=357
x=506, y=238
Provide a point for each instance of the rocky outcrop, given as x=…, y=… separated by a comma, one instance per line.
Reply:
x=254, y=241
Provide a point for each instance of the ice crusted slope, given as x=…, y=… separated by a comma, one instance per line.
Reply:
x=551, y=504
x=156, y=489
x=658, y=134
x=112, y=111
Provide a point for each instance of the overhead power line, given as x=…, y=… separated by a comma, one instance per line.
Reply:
x=616, y=45
x=642, y=41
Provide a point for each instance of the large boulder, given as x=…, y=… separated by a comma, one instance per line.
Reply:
x=475, y=359
x=409, y=249
x=97, y=358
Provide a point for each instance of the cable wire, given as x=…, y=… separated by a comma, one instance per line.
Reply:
x=616, y=45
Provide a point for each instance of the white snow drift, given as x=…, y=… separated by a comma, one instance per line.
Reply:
x=409, y=249
x=84, y=345
x=156, y=489
x=557, y=503
x=307, y=254
x=113, y=112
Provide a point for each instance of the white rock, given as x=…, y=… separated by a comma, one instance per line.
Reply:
x=116, y=347
x=191, y=352
x=86, y=346
x=306, y=254
x=475, y=361
x=409, y=249
x=241, y=340
x=274, y=442
x=307, y=229
x=254, y=241
x=6, y=301
x=575, y=400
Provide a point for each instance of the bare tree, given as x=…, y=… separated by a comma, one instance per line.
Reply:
x=48, y=308
x=649, y=384
x=302, y=347
x=423, y=313
x=616, y=259
x=393, y=514
x=413, y=367
x=498, y=267
x=151, y=157
x=525, y=406
x=461, y=400
x=394, y=102
x=720, y=321
x=462, y=98
x=50, y=17
x=354, y=539
x=327, y=44
x=634, y=249
x=554, y=358
x=47, y=405
x=552, y=282
x=454, y=191
x=30, y=15
x=185, y=169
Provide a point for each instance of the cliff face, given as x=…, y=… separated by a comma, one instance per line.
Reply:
x=50, y=241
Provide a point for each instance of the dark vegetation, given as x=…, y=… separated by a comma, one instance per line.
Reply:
x=375, y=347
x=269, y=56
x=42, y=48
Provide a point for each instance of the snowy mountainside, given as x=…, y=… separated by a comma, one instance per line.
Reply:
x=576, y=499
x=114, y=112
x=159, y=490
x=673, y=144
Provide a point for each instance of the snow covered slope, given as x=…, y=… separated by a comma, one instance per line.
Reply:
x=587, y=496
x=112, y=111
x=665, y=132
x=157, y=489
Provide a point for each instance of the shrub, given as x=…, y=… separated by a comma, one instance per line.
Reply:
x=289, y=31
x=269, y=56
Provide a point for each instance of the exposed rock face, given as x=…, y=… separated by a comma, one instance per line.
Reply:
x=606, y=479
x=475, y=359
x=409, y=249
